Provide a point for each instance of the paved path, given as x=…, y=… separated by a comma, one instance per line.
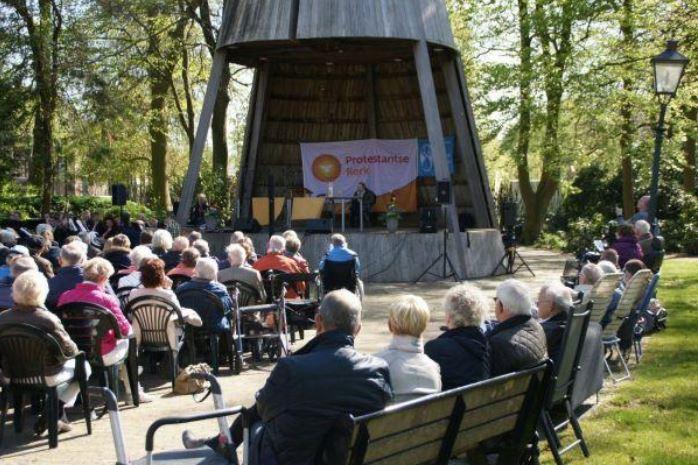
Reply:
x=78, y=448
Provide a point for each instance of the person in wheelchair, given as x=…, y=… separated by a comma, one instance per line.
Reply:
x=340, y=267
x=309, y=391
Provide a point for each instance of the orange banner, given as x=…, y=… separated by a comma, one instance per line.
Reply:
x=405, y=198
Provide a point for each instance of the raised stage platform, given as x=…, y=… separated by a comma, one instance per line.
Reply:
x=394, y=258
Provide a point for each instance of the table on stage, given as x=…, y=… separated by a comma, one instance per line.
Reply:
x=308, y=208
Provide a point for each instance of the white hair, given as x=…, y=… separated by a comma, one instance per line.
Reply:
x=180, y=243
x=237, y=237
x=21, y=265
x=30, y=289
x=466, y=305
x=73, y=253
x=98, y=268
x=341, y=310
x=206, y=268
x=642, y=227
x=162, y=239
x=560, y=295
x=41, y=228
x=140, y=253
x=608, y=267
x=338, y=240
x=202, y=246
x=514, y=296
x=277, y=244
x=591, y=272
x=236, y=254
x=289, y=233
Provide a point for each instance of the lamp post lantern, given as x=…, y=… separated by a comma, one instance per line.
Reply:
x=669, y=67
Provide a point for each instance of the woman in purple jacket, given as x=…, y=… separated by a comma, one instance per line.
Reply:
x=626, y=245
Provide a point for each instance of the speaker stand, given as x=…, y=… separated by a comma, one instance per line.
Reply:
x=508, y=262
x=447, y=268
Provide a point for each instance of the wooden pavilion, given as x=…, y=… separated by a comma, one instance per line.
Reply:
x=334, y=70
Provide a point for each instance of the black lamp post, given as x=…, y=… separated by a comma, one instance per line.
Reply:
x=669, y=67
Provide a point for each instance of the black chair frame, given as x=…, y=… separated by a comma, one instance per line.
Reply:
x=24, y=352
x=88, y=324
x=206, y=303
x=563, y=384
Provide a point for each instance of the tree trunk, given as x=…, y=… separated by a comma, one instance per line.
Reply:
x=158, y=128
x=627, y=28
x=689, y=151
x=524, y=129
x=43, y=39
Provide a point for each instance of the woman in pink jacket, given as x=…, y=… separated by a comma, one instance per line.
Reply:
x=97, y=272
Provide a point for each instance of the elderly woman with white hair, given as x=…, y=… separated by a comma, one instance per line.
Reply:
x=589, y=275
x=554, y=300
x=239, y=271
x=29, y=291
x=205, y=275
x=18, y=264
x=162, y=242
x=412, y=373
x=137, y=255
x=518, y=340
x=174, y=255
x=462, y=350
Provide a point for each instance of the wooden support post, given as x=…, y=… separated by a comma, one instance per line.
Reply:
x=432, y=118
x=242, y=171
x=220, y=60
x=464, y=146
x=371, y=106
x=473, y=137
x=255, y=139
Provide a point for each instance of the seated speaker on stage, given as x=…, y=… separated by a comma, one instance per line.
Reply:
x=368, y=198
x=340, y=267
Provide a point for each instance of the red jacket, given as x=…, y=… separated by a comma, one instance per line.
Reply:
x=92, y=293
x=280, y=262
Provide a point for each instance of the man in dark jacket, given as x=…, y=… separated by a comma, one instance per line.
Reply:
x=553, y=302
x=518, y=340
x=462, y=351
x=69, y=274
x=308, y=392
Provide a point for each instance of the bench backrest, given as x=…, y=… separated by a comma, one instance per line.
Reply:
x=572, y=344
x=632, y=295
x=602, y=293
x=432, y=429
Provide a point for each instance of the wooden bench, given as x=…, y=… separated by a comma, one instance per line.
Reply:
x=433, y=429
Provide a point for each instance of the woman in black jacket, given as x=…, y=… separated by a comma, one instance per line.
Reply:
x=462, y=351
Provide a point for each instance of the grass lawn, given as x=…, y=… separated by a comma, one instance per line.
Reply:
x=653, y=417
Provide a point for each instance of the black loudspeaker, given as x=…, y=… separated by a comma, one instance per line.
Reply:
x=119, y=194
x=247, y=225
x=510, y=214
x=443, y=192
x=466, y=221
x=320, y=226
x=428, y=218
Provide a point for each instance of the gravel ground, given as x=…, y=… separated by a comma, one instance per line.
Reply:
x=76, y=447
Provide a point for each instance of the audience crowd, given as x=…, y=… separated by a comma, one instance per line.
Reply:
x=97, y=259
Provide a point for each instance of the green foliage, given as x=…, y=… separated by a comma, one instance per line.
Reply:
x=552, y=240
x=680, y=223
x=28, y=203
